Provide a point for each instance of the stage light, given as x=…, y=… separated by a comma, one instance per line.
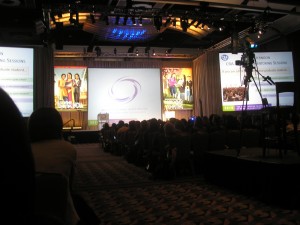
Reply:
x=168, y=21
x=137, y=52
x=98, y=51
x=147, y=50
x=125, y=20
x=174, y=22
x=140, y=21
x=184, y=24
x=92, y=18
x=157, y=22
x=90, y=48
x=106, y=20
x=197, y=24
x=133, y=20
x=130, y=50
x=153, y=52
x=117, y=20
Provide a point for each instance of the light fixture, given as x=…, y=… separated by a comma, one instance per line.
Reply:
x=157, y=22
x=125, y=20
x=72, y=19
x=153, y=52
x=98, y=51
x=90, y=48
x=174, y=22
x=117, y=20
x=133, y=20
x=198, y=23
x=140, y=21
x=92, y=18
x=130, y=49
x=147, y=50
x=106, y=20
x=184, y=23
x=137, y=52
x=168, y=21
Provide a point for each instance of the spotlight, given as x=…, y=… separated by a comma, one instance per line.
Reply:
x=133, y=20
x=147, y=50
x=197, y=24
x=106, y=20
x=174, y=22
x=158, y=22
x=92, y=18
x=168, y=21
x=130, y=50
x=140, y=21
x=117, y=20
x=98, y=51
x=90, y=48
x=137, y=52
x=153, y=52
x=184, y=24
x=125, y=20
x=72, y=20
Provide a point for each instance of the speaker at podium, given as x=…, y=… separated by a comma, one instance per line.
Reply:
x=102, y=119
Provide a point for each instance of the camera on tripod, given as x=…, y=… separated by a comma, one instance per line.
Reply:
x=247, y=59
x=248, y=56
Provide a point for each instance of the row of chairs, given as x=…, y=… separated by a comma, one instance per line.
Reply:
x=184, y=154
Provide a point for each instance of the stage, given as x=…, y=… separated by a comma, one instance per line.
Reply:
x=78, y=136
x=271, y=179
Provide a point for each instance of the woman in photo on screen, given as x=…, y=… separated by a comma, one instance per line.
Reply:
x=76, y=86
x=63, y=94
x=172, y=85
x=69, y=87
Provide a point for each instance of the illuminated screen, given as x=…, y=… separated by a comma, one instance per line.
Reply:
x=16, y=76
x=70, y=88
x=177, y=88
x=125, y=94
x=268, y=67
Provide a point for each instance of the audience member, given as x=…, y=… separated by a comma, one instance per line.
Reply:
x=17, y=167
x=51, y=153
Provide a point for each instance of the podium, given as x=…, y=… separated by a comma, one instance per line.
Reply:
x=102, y=119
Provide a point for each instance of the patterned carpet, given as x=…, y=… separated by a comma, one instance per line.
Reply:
x=121, y=193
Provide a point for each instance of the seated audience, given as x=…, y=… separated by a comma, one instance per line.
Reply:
x=17, y=166
x=52, y=154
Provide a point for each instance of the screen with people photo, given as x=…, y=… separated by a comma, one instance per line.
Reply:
x=255, y=79
x=177, y=88
x=70, y=88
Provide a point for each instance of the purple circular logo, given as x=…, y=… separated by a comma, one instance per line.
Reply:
x=224, y=57
x=125, y=89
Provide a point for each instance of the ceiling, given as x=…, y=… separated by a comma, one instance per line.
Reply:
x=165, y=24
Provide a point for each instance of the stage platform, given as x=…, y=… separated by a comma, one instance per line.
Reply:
x=272, y=179
x=78, y=136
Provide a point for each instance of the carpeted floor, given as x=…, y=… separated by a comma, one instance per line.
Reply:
x=121, y=193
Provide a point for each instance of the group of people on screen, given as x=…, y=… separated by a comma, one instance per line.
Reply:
x=180, y=87
x=69, y=91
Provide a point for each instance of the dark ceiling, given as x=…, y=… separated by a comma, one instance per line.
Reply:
x=40, y=22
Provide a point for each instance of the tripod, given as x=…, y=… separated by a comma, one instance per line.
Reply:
x=248, y=60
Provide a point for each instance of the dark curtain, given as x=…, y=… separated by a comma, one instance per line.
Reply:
x=207, y=84
x=43, y=77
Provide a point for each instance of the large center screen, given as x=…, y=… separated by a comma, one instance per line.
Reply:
x=268, y=68
x=124, y=94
